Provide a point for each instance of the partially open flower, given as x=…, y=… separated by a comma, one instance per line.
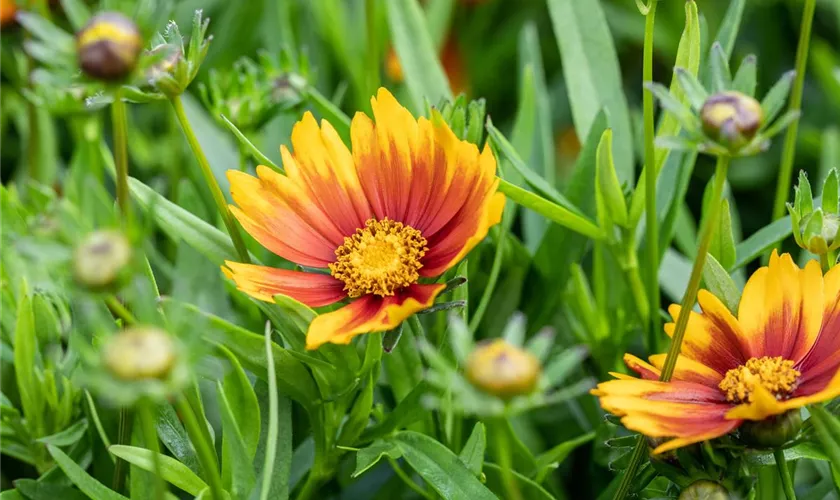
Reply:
x=101, y=259
x=140, y=353
x=109, y=46
x=777, y=355
x=816, y=229
x=731, y=118
x=704, y=490
x=503, y=370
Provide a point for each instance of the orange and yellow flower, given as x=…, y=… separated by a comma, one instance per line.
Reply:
x=405, y=204
x=780, y=353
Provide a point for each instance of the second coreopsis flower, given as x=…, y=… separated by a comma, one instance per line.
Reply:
x=405, y=205
x=748, y=373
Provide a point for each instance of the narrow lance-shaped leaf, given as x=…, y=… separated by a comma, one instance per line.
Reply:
x=607, y=181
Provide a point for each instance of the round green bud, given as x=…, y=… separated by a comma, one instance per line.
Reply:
x=140, y=353
x=500, y=369
x=704, y=490
x=772, y=432
x=731, y=118
x=101, y=260
x=109, y=46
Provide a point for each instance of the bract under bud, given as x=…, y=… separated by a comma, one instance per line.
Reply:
x=109, y=46
x=731, y=118
x=101, y=259
x=772, y=432
x=704, y=490
x=503, y=370
x=139, y=353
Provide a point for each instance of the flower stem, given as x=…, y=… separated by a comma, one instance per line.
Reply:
x=687, y=304
x=784, y=473
x=690, y=296
x=119, y=310
x=126, y=418
x=119, y=122
x=310, y=487
x=408, y=481
x=503, y=455
x=789, y=151
x=210, y=180
x=652, y=224
x=147, y=421
x=206, y=454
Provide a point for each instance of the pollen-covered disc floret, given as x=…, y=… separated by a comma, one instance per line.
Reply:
x=379, y=259
x=775, y=374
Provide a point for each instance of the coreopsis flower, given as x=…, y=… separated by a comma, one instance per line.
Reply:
x=405, y=205
x=781, y=352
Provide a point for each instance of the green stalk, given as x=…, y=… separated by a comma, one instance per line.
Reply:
x=789, y=151
x=652, y=224
x=204, y=449
x=784, y=473
x=311, y=486
x=372, y=46
x=147, y=415
x=210, y=180
x=687, y=304
x=119, y=310
x=123, y=436
x=408, y=481
x=503, y=455
x=119, y=122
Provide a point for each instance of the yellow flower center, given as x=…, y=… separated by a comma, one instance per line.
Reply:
x=381, y=258
x=775, y=374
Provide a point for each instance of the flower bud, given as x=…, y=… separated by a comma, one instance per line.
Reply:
x=731, y=118
x=101, y=259
x=503, y=370
x=704, y=490
x=137, y=353
x=772, y=432
x=165, y=56
x=109, y=46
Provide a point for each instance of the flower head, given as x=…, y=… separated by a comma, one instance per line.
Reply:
x=781, y=352
x=407, y=203
x=502, y=369
x=109, y=46
x=102, y=259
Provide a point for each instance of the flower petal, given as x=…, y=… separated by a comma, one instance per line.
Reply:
x=778, y=313
x=689, y=370
x=264, y=283
x=645, y=370
x=370, y=313
x=686, y=411
x=824, y=358
x=271, y=220
x=710, y=339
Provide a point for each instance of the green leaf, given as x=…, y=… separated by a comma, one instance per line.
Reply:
x=68, y=436
x=728, y=31
x=58, y=40
x=529, y=489
x=609, y=189
x=745, y=77
x=46, y=490
x=237, y=471
x=473, y=452
x=77, y=13
x=249, y=146
x=181, y=225
x=84, y=481
x=776, y=97
x=723, y=241
x=408, y=411
x=25, y=351
x=439, y=467
x=692, y=87
x=761, y=241
x=592, y=74
x=418, y=57
x=720, y=283
x=403, y=367
x=171, y=470
x=831, y=193
x=804, y=450
x=359, y=415
x=563, y=364
x=550, y=459
x=720, y=74
x=243, y=402
x=368, y=457
x=173, y=435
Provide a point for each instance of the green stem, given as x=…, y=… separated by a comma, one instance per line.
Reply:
x=784, y=473
x=408, y=481
x=123, y=436
x=310, y=487
x=204, y=449
x=147, y=421
x=503, y=455
x=119, y=310
x=637, y=289
x=795, y=104
x=496, y=268
x=652, y=224
x=372, y=46
x=210, y=180
x=243, y=160
x=689, y=298
x=119, y=122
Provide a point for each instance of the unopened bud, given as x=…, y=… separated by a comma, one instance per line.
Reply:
x=731, y=118
x=109, y=46
x=101, y=259
x=503, y=370
x=138, y=353
x=772, y=432
x=166, y=56
x=704, y=490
